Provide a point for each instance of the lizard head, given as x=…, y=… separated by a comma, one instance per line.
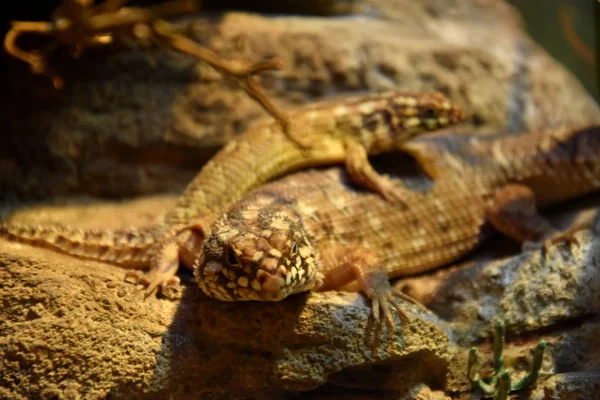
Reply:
x=259, y=250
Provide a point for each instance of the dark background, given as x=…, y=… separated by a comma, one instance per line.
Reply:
x=545, y=20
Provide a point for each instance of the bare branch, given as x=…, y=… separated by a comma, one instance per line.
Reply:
x=244, y=72
x=79, y=24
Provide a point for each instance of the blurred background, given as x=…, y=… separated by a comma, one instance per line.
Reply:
x=567, y=30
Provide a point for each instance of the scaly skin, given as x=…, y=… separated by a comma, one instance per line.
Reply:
x=337, y=131
x=314, y=231
x=126, y=247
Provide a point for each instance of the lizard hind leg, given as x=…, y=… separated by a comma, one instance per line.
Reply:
x=344, y=264
x=513, y=212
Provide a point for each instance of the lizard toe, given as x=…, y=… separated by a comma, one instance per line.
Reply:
x=403, y=315
x=409, y=299
x=154, y=282
x=162, y=282
x=566, y=237
x=375, y=309
x=134, y=277
x=384, y=304
x=393, y=193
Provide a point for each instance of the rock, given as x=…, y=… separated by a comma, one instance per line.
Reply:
x=577, y=385
x=133, y=122
x=530, y=291
x=71, y=327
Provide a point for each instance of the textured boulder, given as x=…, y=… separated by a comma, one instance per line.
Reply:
x=73, y=327
x=530, y=291
x=578, y=385
x=135, y=122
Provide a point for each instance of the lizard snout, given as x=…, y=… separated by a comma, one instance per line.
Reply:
x=272, y=284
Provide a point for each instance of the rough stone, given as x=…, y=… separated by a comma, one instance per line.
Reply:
x=72, y=326
x=134, y=122
x=577, y=385
x=530, y=291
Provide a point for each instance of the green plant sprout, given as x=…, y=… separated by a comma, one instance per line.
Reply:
x=499, y=384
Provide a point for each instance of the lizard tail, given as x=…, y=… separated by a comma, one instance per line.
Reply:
x=126, y=247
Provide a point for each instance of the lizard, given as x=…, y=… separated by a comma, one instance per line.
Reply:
x=314, y=231
x=337, y=131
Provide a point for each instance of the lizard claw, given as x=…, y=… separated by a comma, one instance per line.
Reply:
x=153, y=281
x=382, y=304
x=563, y=237
x=392, y=193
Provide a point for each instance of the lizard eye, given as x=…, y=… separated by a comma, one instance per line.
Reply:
x=232, y=258
x=294, y=249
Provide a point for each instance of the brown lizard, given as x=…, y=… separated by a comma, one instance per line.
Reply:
x=337, y=131
x=313, y=231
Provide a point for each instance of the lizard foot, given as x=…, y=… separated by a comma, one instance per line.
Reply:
x=356, y=262
x=363, y=174
x=390, y=192
x=563, y=237
x=153, y=281
x=383, y=304
x=163, y=267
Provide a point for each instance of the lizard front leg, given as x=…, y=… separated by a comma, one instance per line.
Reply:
x=164, y=264
x=177, y=248
x=343, y=264
x=362, y=173
x=513, y=212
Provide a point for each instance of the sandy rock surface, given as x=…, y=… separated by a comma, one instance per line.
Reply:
x=73, y=327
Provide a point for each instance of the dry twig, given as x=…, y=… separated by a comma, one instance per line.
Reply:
x=79, y=24
x=243, y=71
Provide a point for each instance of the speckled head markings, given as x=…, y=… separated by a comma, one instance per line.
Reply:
x=382, y=121
x=258, y=251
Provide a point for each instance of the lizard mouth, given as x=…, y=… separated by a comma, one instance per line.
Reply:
x=225, y=284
